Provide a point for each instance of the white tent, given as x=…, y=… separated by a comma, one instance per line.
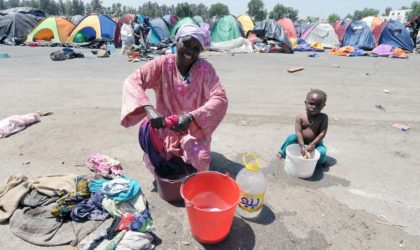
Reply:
x=322, y=33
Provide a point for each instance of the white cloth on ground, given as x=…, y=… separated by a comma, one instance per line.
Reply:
x=136, y=241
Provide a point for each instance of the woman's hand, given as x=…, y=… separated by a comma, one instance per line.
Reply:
x=183, y=123
x=302, y=150
x=310, y=148
x=155, y=118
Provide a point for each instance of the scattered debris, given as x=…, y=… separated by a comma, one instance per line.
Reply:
x=400, y=126
x=335, y=66
x=295, y=69
x=380, y=107
x=243, y=123
x=4, y=55
x=102, y=53
x=313, y=54
x=388, y=223
x=64, y=54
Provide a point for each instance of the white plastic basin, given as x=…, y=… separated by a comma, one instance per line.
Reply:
x=298, y=166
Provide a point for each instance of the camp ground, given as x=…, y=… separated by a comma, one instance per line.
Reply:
x=365, y=197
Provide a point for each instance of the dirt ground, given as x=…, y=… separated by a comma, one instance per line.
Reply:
x=367, y=199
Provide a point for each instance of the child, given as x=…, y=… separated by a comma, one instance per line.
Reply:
x=311, y=127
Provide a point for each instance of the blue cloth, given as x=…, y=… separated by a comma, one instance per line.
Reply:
x=90, y=209
x=292, y=139
x=126, y=194
x=358, y=52
x=140, y=220
x=96, y=184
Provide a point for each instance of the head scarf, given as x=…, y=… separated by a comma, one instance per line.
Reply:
x=199, y=33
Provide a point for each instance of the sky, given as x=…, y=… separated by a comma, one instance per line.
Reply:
x=322, y=8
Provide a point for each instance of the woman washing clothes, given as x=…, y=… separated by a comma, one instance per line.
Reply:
x=190, y=104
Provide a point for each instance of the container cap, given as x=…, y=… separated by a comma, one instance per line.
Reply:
x=251, y=162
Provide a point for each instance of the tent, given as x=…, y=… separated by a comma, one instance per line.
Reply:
x=372, y=21
x=301, y=27
x=358, y=34
x=125, y=19
x=226, y=28
x=393, y=33
x=288, y=27
x=271, y=30
x=14, y=27
x=76, y=19
x=198, y=19
x=34, y=13
x=340, y=27
x=246, y=22
x=183, y=21
x=55, y=29
x=159, y=32
x=171, y=20
x=93, y=27
x=322, y=33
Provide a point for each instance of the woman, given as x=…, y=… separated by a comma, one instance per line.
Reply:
x=190, y=103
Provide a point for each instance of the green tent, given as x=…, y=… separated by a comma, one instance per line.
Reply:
x=225, y=29
x=183, y=21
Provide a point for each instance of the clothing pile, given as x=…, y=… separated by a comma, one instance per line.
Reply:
x=300, y=44
x=348, y=51
x=137, y=53
x=384, y=50
x=63, y=209
x=64, y=54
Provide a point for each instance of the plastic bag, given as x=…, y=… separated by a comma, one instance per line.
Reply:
x=127, y=37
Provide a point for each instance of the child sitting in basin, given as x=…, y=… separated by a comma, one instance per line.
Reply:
x=310, y=127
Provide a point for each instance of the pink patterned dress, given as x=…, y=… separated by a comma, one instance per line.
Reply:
x=202, y=95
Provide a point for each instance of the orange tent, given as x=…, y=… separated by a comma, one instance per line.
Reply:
x=372, y=21
x=56, y=29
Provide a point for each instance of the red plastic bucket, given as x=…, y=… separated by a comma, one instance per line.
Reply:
x=210, y=199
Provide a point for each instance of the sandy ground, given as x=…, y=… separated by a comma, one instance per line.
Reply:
x=367, y=199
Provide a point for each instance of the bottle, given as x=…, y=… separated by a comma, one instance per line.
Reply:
x=253, y=185
x=111, y=48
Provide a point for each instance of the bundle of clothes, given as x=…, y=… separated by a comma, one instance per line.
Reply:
x=299, y=44
x=382, y=50
x=64, y=209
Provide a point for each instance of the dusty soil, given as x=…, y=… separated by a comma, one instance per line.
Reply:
x=367, y=199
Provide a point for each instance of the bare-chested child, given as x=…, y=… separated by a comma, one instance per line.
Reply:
x=310, y=127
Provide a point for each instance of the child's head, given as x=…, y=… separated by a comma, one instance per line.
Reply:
x=315, y=101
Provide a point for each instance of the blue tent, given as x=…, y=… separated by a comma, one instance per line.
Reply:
x=93, y=27
x=393, y=33
x=358, y=34
x=159, y=31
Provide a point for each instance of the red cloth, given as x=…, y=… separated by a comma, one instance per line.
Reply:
x=170, y=121
x=125, y=222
